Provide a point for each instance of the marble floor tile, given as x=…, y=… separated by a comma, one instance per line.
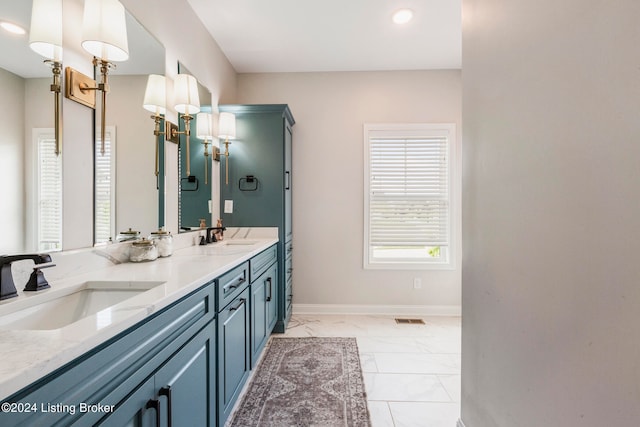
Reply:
x=418, y=414
x=380, y=414
x=418, y=363
x=452, y=384
x=368, y=362
x=405, y=387
x=370, y=344
x=411, y=372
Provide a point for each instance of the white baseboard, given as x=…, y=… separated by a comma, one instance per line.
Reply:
x=460, y=423
x=392, y=310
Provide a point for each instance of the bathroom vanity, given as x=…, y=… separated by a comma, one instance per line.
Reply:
x=180, y=347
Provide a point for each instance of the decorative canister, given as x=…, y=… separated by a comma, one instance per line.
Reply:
x=164, y=242
x=143, y=250
x=125, y=236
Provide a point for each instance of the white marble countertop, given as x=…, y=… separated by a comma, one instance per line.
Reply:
x=28, y=355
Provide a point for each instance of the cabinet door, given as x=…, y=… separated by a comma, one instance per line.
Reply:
x=140, y=409
x=258, y=317
x=288, y=184
x=264, y=310
x=186, y=385
x=234, y=353
x=271, y=299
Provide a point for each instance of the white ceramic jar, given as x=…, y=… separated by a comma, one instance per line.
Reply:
x=164, y=242
x=143, y=250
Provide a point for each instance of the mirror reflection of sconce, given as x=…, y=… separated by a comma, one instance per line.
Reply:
x=155, y=101
x=104, y=35
x=187, y=102
x=227, y=131
x=46, y=39
x=204, y=127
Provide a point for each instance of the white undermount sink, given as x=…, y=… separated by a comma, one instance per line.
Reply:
x=54, y=309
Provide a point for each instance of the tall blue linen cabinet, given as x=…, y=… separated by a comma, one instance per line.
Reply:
x=260, y=183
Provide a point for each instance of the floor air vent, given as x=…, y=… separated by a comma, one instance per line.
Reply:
x=410, y=321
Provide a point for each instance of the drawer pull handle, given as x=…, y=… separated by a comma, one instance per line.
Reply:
x=166, y=391
x=232, y=286
x=155, y=404
x=270, y=295
x=242, y=301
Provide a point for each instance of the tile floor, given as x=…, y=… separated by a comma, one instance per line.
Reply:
x=411, y=372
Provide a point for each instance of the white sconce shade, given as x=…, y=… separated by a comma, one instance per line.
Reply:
x=104, y=30
x=227, y=126
x=155, y=94
x=186, y=95
x=204, y=126
x=45, y=35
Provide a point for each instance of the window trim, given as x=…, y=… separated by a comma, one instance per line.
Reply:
x=455, y=163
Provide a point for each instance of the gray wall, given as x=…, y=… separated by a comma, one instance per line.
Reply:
x=328, y=168
x=551, y=213
x=12, y=172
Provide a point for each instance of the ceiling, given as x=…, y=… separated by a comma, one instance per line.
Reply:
x=334, y=35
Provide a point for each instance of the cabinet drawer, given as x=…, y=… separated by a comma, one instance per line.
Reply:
x=231, y=284
x=259, y=263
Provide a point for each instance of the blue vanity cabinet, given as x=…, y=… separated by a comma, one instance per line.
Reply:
x=174, y=347
x=182, y=390
x=234, y=348
x=261, y=181
x=264, y=298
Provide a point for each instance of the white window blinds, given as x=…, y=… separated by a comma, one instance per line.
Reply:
x=408, y=193
x=105, y=173
x=49, y=192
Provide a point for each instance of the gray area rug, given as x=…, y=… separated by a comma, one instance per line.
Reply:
x=306, y=382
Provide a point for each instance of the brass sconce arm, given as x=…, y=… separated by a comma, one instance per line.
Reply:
x=56, y=69
x=187, y=133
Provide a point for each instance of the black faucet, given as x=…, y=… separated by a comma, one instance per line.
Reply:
x=7, y=287
x=211, y=235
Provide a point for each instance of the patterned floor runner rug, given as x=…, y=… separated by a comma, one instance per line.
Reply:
x=306, y=382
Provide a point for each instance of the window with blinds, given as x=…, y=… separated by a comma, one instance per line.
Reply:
x=49, y=233
x=105, y=173
x=408, y=174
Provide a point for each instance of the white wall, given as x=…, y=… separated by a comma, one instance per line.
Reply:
x=330, y=110
x=137, y=200
x=551, y=209
x=12, y=105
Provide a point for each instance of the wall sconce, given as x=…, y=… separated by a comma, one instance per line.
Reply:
x=204, y=131
x=227, y=131
x=155, y=101
x=46, y=39
x=104, y=35
x=187, y=102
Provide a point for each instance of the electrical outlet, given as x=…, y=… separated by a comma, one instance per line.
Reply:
x=228, y=206
x=417, y=283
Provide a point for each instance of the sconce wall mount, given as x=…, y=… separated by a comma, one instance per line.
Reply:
x=80, y=88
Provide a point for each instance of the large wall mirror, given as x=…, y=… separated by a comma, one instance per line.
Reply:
x=196, y=178
x=30, y=170
x=127, y=188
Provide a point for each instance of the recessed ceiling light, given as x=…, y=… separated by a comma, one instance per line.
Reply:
x=402, y=16
x=12, y=28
